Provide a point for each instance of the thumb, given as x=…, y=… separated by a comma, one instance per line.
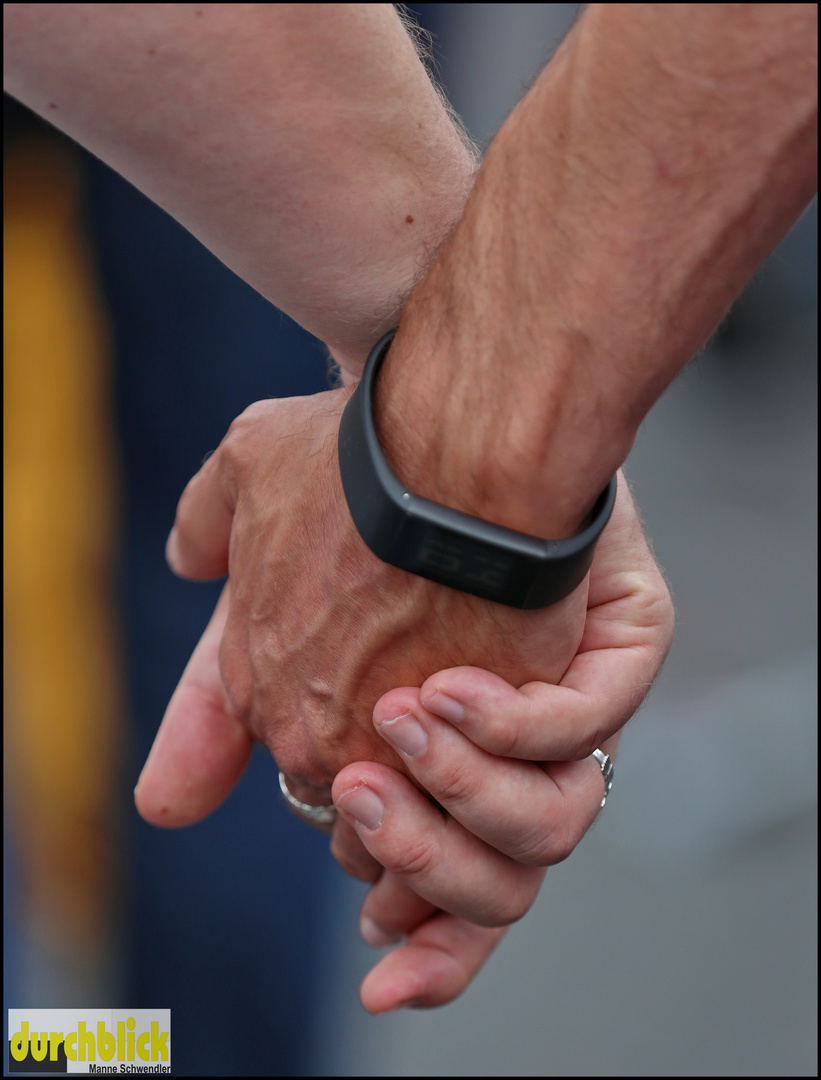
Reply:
x=197, y=546
x=202, y=747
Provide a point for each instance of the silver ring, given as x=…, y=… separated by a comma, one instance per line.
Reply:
x=606, y=765
x=316, y=815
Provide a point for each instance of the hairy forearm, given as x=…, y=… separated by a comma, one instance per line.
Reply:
x=659, y=157
x=302, y=143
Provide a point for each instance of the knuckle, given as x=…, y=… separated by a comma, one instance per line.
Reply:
x=300, y=754
x=667, y=619
x=560, y=844
x=514, y=905
x=660, y=612
x=503, y=737
x=304, y=766
x=547, y=847
x=413, y=859
x=247, y=420
x=454, y=788
x=301, y=749
x=234, y=449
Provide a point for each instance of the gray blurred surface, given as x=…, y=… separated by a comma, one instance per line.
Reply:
x=680, y=939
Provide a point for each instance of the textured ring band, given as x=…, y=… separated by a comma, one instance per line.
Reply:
x=606, y=765
x=316, y=815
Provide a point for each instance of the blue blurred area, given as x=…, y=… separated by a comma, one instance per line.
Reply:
x=222, y=915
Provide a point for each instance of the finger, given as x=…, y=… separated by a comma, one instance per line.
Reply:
x=540, y=722
x=351, y=853
x=432, y=854
x=392, y=911
x=197, y=546
x=535, y=814
x=435, y=966
x=201, y=748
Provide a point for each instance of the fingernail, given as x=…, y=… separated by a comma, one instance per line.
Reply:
x=446, y=707
x=363, y=805
x=406, y=734
x=374, y=935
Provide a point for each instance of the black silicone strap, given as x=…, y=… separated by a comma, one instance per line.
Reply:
x=443, y=544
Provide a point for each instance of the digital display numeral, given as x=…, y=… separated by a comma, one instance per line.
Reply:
x=472, y=567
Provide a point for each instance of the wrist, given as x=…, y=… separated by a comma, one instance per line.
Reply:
x=530, y=453
x=486, y=402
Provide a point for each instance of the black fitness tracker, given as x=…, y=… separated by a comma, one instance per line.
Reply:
x=443, y=544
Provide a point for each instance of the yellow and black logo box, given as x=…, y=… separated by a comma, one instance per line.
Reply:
x=122, y=1041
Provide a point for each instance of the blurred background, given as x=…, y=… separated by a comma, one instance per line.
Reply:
x=680, y=939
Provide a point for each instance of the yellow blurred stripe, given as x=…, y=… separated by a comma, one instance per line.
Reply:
x=62, y=723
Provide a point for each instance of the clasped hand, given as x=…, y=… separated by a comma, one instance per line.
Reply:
x=386, y=686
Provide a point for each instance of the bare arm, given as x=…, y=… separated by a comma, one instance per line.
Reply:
x=656, y=161
x=302, y=143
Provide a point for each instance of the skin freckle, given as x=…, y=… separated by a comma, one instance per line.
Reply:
x=51, y=105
